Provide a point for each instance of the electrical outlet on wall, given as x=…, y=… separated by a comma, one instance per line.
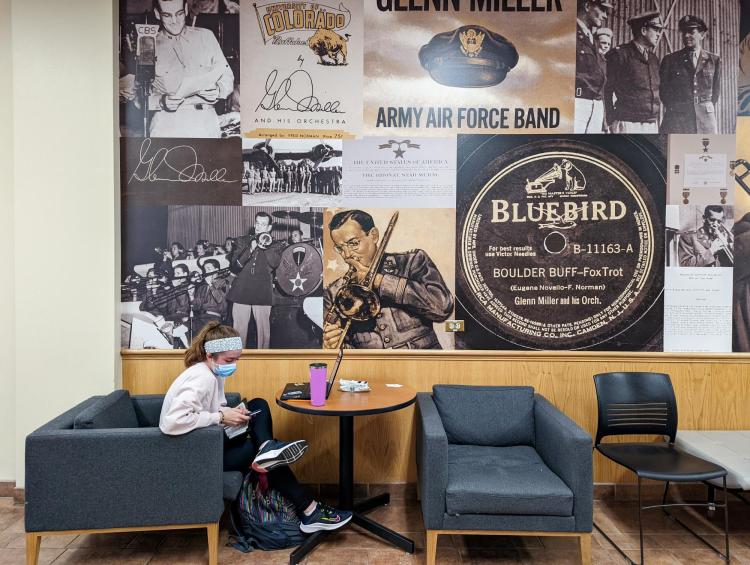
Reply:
x=454, y=325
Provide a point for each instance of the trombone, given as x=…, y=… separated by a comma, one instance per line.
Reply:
x=722, y=234
x=358, y=301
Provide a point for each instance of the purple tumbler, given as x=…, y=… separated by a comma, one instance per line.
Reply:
x=318, y=383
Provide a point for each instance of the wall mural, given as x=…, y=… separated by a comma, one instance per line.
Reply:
x=436, y=174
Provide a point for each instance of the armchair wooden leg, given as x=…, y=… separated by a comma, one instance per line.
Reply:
x=33, y=543
x=213, y=543
x=585, y=541
x=431, y=549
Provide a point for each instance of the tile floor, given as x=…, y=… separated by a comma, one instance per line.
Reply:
x=666, y=542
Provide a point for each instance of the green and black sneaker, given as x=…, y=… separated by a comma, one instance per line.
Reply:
x=324, y=517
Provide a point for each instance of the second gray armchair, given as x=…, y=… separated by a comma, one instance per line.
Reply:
x=502, y=460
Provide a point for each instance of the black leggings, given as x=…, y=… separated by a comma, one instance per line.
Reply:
x=239, y=453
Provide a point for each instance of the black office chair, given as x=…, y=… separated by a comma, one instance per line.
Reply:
x=644, y=403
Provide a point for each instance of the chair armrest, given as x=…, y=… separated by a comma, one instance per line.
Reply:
x=121, y=477
x=566, y=449
x=432, y=461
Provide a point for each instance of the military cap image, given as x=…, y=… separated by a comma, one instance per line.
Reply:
x=603, y=3
x=468, y=57
x=689, y=22
x=639, y=20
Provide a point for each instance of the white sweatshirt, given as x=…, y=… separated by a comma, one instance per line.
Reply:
x=193, y=401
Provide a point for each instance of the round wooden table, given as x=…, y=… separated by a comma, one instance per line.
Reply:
x=345, y=406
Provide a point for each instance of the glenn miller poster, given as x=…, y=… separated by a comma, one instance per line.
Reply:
x=304, y=68
x=440, y=67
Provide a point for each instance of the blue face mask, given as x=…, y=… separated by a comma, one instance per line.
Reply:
x=225, y=371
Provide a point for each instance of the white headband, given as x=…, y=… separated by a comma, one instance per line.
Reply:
x=224, y=344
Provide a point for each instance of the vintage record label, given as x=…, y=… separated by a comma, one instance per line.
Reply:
x=560, y=243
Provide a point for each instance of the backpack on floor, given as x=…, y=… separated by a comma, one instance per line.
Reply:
x=262, y=518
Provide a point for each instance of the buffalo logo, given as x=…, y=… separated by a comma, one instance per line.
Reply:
x=564, y=172
x=328, y=43
x=471, y=42
x=398, y=147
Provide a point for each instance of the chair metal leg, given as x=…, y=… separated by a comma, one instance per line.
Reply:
x=666, y=491
x=665, y=508
x=640, y=522
x=613, y=544
x=711, y=497
x=708, y=505
x=726, y=520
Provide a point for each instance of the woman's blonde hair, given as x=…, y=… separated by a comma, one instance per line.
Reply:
x=196, y=353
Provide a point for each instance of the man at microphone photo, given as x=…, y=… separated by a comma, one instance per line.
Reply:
x=191, y=75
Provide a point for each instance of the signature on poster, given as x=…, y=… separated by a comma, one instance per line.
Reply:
x=295, y=93
x=174, y=164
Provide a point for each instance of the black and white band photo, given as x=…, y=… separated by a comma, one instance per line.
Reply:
x=179, y=68
x=291, y=172
x=700, y=236
x=258, y=269
x=656, y=67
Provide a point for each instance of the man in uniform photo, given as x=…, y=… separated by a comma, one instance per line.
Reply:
x=591, y=72
x=631, y=95
x=192, y=74
x=412, y=292
x=690, y=83
x=210, y=298
x=253, y=265
x=711, y=245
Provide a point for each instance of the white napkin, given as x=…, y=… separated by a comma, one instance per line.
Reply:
x=353, y=386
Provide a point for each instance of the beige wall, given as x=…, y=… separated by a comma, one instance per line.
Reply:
x=64, y=194
x=7, y=346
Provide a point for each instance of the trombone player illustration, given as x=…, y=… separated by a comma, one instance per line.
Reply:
x=385, y=300
x=711, y=245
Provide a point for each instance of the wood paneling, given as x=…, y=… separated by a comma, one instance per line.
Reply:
x=713, y=392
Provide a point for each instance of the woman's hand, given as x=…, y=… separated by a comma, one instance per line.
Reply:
x=235, y=416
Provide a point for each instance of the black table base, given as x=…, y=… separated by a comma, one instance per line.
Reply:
x=346, y=500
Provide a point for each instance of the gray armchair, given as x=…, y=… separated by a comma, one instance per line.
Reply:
x=104, y=466
x=501, y=460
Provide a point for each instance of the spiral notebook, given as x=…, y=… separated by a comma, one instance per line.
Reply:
x=301, y=391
